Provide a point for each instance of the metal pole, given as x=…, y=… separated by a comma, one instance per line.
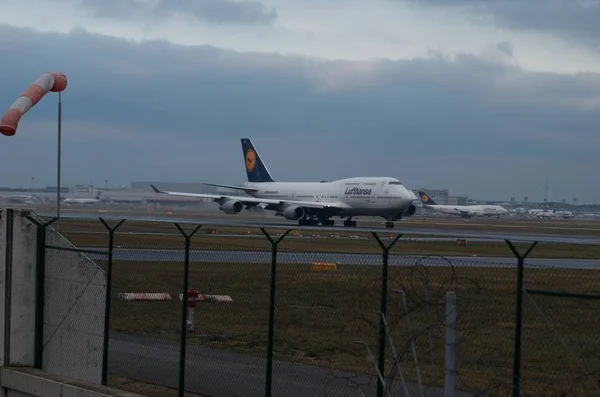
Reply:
x=450, y=381
x=184, y=303
x=518, y=315
x=111, y=240
x=58, y=171
x=270, y=336
x=383, y=310
x=38, y=349
x=518, y=330
x=182, y=339
x=39, y=305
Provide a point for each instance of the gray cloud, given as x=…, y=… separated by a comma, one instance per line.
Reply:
x=116, y=8
x=214, y=11
x=222, y=11
x=158, y=111
x=576, y=19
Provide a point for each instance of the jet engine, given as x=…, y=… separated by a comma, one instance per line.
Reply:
x=231, y=207
x=410, y=211
x=293, y=213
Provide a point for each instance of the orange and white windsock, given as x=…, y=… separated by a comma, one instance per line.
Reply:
x=54, y=82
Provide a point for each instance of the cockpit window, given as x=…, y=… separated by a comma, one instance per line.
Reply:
x=395, y=183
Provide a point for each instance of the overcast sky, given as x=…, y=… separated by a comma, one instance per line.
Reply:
x=487, y=99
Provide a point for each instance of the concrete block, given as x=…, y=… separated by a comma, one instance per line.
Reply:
x=31, y=382
x=17, y=287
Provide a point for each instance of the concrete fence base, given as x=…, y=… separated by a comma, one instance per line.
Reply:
x=29, y=382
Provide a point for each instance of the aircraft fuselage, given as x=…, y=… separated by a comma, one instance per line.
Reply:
x=362, y=196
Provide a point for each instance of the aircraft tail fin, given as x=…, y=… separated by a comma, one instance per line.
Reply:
x=425, y=199
x=256, y=171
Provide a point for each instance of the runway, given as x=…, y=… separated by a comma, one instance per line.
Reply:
x=215, y=256
x=572, y=240
x=399, y=229
x=212, y=372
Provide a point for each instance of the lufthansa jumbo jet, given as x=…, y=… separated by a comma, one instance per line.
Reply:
x=313, y=203
x=465, y=211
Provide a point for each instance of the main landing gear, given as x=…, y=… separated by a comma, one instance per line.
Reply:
x=324, y=221
x=349, y=222
x=314, y=221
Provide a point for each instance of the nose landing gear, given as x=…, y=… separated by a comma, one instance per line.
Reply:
x=349, y=222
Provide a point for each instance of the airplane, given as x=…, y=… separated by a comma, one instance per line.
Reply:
x=72, y=200
x=465, y=211
x=311, y=203
x=549, y=214
x=77, y=200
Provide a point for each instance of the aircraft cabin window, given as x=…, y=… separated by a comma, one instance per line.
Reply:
x=395, y=183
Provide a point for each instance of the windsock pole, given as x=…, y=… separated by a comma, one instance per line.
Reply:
x=58, y=170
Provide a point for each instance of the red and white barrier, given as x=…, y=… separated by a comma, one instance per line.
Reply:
x=140, y=296
x=55, y=82
x=209, y=298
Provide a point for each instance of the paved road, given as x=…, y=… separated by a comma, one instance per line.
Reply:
x=582, y=240
x=288, y=237
x=213, y=256
x=212, y=372
x=400, y=229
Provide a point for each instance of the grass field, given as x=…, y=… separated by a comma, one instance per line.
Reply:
x=506, y=225
x=321, y=315
x=364, y=245
x=165, y=235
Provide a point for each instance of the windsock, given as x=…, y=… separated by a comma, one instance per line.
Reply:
x=54, y=82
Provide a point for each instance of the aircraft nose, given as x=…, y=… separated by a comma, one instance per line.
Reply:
x=410, y=195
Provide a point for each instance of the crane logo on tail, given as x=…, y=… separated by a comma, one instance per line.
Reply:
x=250, y=160
x=424, y=198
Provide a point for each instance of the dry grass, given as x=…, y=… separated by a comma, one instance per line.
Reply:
x=358, y=244
x=321, y=315
x=574, y=227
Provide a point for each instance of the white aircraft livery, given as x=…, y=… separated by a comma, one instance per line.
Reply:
x=552, y=213
x=465, y=211
x=313, y=203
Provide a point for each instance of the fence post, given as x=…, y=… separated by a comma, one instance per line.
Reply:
x=383, y=309
x=40, y=275
x=109, y=260
x=450, y=356
x=269, y=370
x=518, y=315
x=182, y=340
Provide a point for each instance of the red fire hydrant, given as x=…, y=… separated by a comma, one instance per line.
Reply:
x=192, y=297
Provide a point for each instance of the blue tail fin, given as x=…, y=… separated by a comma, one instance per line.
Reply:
x=256, y=170
x=425, y=199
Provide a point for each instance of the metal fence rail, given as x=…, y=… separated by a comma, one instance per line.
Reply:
x=268, y=313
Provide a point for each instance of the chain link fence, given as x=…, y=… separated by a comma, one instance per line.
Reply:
x=74, y=295
x=250, y=311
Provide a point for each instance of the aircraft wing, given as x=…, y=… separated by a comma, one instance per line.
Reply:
x=463, y=212
x=247, y=189
x=254, y=201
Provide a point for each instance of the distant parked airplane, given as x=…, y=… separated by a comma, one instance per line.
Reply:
x=465, y=211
